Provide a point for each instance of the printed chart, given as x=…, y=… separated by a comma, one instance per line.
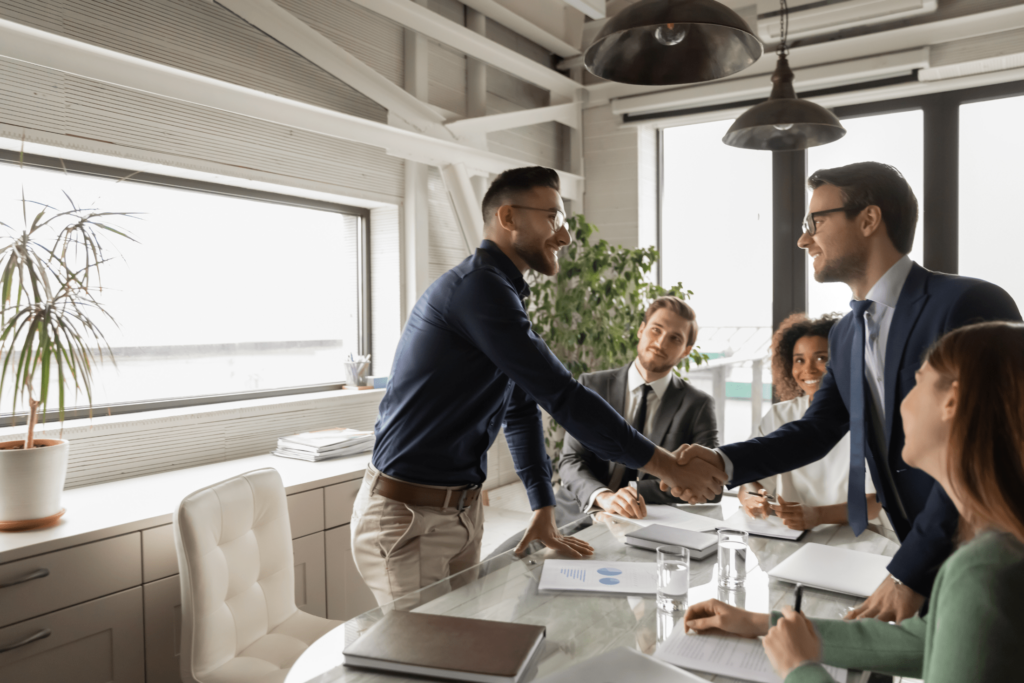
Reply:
x=637, y=578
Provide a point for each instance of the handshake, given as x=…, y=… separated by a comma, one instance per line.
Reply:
x=692, y=473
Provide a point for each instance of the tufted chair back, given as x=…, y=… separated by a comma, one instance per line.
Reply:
x=237, y=579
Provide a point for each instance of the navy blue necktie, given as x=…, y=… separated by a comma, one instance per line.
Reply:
x=856, y=505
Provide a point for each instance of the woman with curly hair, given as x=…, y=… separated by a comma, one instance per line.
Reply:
x=816, y=493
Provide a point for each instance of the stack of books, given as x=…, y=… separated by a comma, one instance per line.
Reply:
x=325, y=444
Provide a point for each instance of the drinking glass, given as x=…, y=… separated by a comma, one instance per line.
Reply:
x=732, y=558
x=673, y=577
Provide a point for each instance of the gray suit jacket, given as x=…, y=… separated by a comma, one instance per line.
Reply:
x=686, y=415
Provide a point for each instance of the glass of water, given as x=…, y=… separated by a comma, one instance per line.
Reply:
x=732, y=558
x=673, y=577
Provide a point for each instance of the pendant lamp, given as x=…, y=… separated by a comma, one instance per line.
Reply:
x=672, y=42
x=784, y=123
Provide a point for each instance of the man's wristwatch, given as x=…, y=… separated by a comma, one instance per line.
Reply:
x=896, y=581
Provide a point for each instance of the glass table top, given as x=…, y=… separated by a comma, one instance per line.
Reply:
x=581, y=625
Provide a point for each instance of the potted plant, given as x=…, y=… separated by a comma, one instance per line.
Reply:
x=49, y=340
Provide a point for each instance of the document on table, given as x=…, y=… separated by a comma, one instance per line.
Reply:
x=622, y=664
x=773, y=527
x=723, y=655
x=669, y=515
x=636, y=578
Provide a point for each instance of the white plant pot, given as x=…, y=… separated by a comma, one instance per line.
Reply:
x=31, y=483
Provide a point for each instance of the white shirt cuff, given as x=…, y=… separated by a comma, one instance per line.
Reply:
x=726, y=462
x=593, y=497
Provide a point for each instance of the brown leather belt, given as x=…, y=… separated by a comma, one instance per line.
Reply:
x=414, y=494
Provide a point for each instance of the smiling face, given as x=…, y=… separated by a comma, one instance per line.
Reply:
x=663, y=343
x=928, y=412
x=810, y=358
x=838, y=250
x=535, y=238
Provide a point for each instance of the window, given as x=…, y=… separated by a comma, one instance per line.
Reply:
x=991, y=237
x=221, y=294
x=896, y=139
x=716, y=233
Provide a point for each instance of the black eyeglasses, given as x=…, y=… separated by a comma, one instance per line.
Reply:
x=810, y=223
x=557, y=216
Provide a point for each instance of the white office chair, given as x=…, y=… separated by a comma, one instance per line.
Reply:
x=239, y=619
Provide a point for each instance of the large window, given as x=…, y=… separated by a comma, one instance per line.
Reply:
x=716, y=231
x=220, y=294
x=896, y=139
x=991, y=228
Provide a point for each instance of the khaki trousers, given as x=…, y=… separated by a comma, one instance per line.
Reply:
x=401, y=548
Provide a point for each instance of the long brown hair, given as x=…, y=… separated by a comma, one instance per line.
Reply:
x=986, y=442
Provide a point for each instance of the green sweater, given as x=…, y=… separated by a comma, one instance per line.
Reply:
x=974, y=629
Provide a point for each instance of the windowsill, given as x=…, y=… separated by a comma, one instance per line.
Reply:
x=130, y=420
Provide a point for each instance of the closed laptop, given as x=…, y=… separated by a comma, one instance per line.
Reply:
x=650, y=537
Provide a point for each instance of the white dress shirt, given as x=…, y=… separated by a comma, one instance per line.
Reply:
x=878, y=319
x=824, y=482
x=634, y=390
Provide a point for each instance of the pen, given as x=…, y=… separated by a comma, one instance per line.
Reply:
x=799, y=596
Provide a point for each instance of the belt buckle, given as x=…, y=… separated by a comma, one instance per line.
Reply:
x=462, y=498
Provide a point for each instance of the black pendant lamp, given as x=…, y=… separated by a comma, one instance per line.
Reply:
x=784, y=123
x=672, y=42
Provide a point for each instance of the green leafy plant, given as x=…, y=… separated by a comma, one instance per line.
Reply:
x=49, y=275
x=589, y=314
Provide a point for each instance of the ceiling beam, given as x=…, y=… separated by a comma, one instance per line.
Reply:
x=595, y=9
x=26, y=44
x=568, y=114
x=903, y=38
x=296, y=35
x=742, y=89
x=433, y=25
x=524, y=27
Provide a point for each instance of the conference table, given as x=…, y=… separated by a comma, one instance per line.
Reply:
x=582, y=625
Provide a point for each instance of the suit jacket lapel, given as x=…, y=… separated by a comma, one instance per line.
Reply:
x=670, y=403
x=618, y=389
x=908, y=308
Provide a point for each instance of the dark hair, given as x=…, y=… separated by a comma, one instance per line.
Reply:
x=870, y=183
x=986, y=442
x=791, y=330
x=680, y=308
x=509, y=184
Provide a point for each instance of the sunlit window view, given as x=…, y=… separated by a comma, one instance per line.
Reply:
x=717, y=240
x=895, y=139
x=218, y=294
x=991, y=234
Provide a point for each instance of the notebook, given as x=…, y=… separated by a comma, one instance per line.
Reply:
x=724, y=655
x=851, y=572
x=670, y=515
x=773, y=527
x=650, y=537
x=454, y=648
x=622, y=664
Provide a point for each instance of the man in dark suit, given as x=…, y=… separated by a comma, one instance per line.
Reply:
x=663, y=407
x=859, y=231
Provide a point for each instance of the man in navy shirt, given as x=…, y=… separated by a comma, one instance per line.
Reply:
x=467, y=364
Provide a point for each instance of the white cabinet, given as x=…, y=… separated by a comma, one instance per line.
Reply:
x=310, y=576
x=96, y=642
x=163, y=630
x=347, y=594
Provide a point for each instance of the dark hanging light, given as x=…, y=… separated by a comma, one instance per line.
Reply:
x=784, y=123
x=672, y=42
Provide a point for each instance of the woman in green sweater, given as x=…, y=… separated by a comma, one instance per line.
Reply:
x=964, y=424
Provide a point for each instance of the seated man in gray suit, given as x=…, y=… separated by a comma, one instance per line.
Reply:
x=667, y=410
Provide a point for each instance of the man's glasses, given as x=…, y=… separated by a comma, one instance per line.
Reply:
x=811, y=222
x=557, y=217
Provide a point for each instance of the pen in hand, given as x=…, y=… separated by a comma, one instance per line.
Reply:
x=799, y=597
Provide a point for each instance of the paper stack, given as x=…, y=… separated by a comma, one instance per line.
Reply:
x=325, y=444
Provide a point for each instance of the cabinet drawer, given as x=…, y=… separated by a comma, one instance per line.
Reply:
x=159, y=558
x=97, y=642
x=68, y=577
x=163, y=630
x=339, y=500
x=306, y=512
x=310, y=574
